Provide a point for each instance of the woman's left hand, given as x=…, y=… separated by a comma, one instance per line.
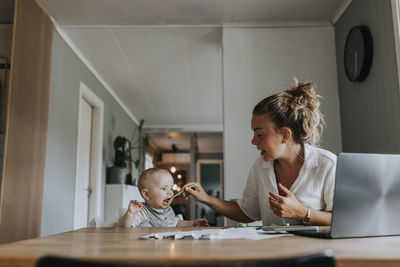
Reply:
x=286, y=206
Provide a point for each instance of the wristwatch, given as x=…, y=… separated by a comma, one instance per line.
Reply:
x=306, y=219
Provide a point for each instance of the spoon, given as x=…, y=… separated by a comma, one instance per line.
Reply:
x=180, y=192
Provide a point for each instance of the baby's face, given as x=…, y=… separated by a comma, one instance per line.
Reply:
x=160, y=190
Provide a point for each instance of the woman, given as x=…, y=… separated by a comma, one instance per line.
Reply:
x=293, y=180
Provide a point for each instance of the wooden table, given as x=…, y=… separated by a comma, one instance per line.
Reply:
x=123, y=245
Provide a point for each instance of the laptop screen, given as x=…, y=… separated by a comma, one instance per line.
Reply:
x=367, y=195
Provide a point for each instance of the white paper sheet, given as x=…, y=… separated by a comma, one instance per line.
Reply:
x=229, y=233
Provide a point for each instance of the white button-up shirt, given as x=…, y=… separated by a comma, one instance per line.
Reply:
x=314, y=187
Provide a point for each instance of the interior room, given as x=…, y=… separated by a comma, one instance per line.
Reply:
x=93, y=92
x=176, y=152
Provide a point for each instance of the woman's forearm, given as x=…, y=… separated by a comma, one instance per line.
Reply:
x=320, y=217
x=228, y=209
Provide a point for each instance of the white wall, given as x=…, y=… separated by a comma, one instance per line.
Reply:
x=258, y=62
x=67, y=71
x=370, y=109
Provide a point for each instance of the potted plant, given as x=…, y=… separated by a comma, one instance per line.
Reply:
x=117, y=174
x=121, y=172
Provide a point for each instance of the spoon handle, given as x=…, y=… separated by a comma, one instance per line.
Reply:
x=180, y=192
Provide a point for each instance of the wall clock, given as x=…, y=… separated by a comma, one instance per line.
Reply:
x=358, y=52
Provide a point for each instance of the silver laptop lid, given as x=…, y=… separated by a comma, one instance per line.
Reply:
x=367, y=195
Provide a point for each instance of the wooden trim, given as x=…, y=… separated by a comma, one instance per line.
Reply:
x=26, y=124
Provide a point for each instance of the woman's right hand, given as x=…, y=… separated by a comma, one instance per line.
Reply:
x=134, y=206
x=196, y=191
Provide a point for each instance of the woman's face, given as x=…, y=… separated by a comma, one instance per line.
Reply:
x=160, y=190
x=265, y=138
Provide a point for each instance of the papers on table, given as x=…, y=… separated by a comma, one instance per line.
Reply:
x=229, y=233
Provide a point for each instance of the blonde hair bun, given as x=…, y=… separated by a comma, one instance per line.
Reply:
x=296, y=108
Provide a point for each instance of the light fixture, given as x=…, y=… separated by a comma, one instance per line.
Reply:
x=179, y=176
x=175, y=187
x=173, y=169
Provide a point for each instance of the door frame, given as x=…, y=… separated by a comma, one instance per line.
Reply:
x=95, y=205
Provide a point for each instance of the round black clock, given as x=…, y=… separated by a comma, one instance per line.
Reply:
x=358, y=53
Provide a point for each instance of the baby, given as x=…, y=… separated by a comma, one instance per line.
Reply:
x=155, y=186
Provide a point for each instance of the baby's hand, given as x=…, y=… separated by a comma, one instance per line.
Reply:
x=134, y=206
x=200, y=222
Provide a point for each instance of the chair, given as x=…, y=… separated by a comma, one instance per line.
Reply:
x=97, y=222
x=323, y=259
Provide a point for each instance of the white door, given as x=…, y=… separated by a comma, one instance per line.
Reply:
x=83, y=186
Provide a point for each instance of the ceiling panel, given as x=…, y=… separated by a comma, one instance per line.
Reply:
x=163, y=58
x=167, y=76
x=138, y=50
x=188, y=12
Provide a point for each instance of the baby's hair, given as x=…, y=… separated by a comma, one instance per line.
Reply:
x=144, y=181
x=296, y=108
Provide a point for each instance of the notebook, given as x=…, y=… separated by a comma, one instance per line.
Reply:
x=367, y=197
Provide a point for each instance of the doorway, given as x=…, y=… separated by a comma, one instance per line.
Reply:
x=209, y=175
x=88, y=185
x=182, y=153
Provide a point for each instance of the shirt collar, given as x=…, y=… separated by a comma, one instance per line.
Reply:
x=310, y=158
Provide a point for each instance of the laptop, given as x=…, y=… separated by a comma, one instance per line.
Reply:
x=289, y=228
x=367, y=197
